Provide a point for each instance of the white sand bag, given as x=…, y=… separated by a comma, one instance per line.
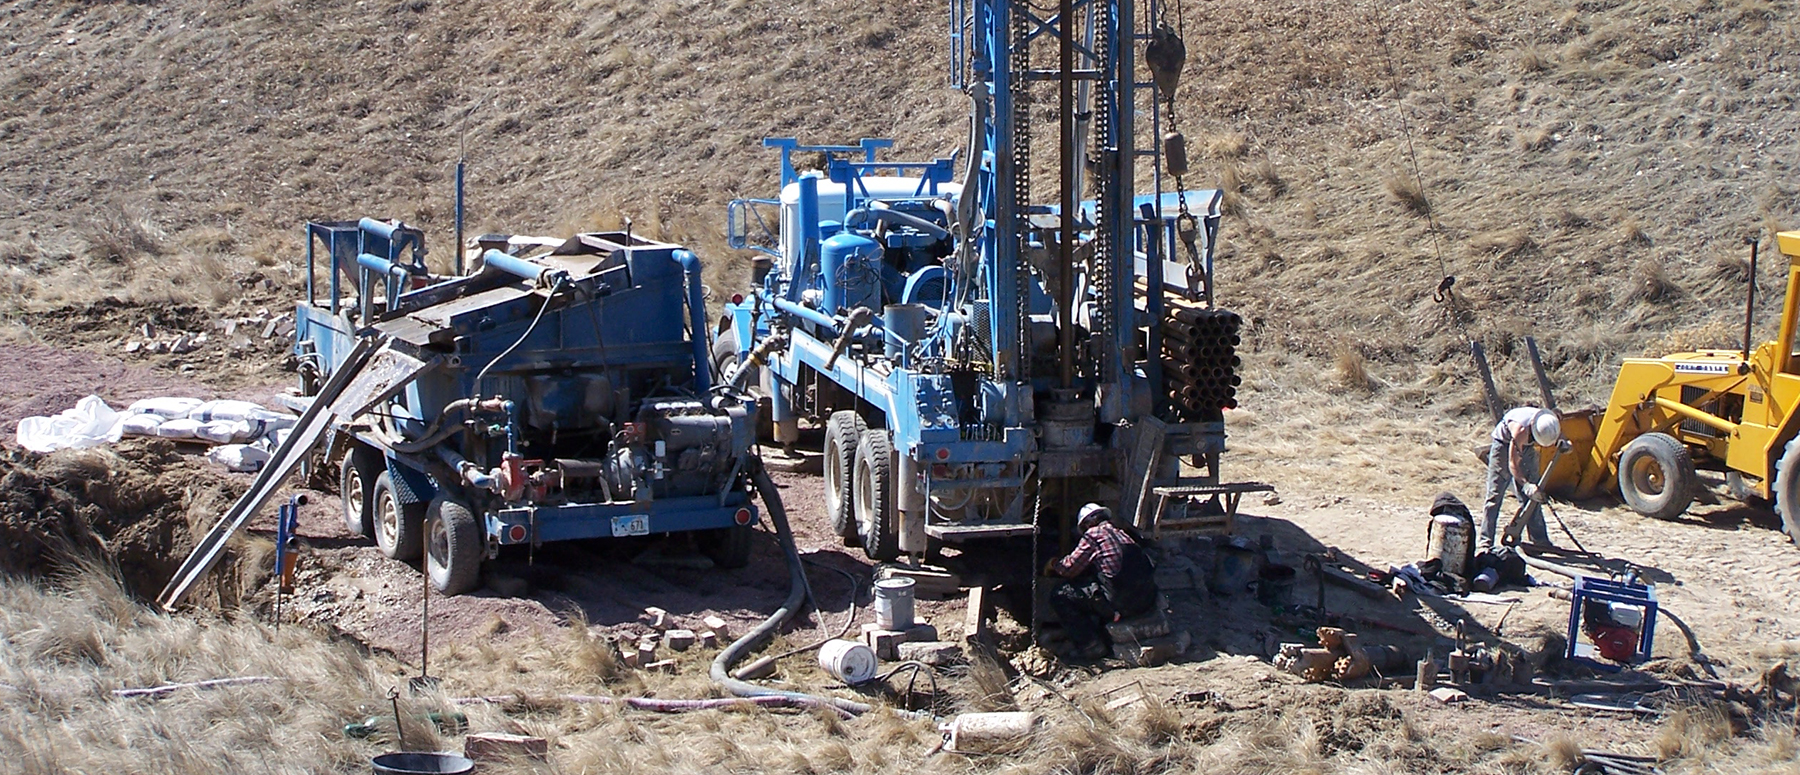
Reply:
x=140, y=424
x=223, y=431
x=166, y=407
x=178, y=429
x=241, y=458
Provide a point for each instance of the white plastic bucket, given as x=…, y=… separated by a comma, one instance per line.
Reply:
x=848, y=661
x=894, y=604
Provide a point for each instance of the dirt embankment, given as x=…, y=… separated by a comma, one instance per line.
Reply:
x=134, y=506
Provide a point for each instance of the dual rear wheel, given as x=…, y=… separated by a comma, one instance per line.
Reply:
x=859, y=485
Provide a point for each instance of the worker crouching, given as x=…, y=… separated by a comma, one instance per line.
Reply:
x=1110, y=578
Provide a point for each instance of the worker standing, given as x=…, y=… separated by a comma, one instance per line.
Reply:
x=1513, y=464
x=1110, y=578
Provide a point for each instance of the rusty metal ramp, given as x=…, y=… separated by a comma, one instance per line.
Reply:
x=371, y=371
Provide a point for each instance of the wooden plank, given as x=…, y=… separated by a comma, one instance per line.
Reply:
x=975, y=617
x=1146, y=453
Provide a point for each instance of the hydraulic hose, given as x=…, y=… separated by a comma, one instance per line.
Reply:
x=797, y=586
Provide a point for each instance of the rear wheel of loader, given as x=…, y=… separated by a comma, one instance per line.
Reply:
x=454, y=546
x=843, y=431
x=398, y=526
x=1657, y=477
x=356, y=486
x=875, y=521
x=1787, y=489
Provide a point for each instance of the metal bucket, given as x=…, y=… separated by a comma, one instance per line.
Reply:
x=1448, y=540
x=421, y=763
x=1235, y=570
x=1275, y=584
x=894, y=604
x=848, y=661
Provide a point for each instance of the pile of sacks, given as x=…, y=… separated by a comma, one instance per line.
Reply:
x=245, y=432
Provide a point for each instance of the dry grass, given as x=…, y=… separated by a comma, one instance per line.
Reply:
x=1405, y=189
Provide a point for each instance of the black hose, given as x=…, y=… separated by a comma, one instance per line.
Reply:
x=760, y=634
x=481, y=375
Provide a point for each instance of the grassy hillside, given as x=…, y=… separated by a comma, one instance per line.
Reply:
x=1592, y=168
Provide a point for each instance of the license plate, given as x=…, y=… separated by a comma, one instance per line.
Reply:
x=635, y=525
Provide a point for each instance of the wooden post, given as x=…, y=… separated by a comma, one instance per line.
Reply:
x=1543, y=378
x=1487, y=380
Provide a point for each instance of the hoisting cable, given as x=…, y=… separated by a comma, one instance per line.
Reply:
x=1445, y=293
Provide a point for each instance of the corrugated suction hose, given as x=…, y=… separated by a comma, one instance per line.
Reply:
x=760, y=634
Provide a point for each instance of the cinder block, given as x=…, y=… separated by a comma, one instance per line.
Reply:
x=883, y=642
x=934, y=653
x=717, y=625
x=921, y=633
x=499, y=747
x=680, y=640
x=709, y=639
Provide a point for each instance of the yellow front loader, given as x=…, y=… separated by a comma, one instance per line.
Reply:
x=1729, y=410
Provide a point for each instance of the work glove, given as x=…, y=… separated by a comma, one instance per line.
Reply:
x=1050, y=568
x=1535, y=493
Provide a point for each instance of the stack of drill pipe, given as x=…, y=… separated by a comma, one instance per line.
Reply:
x=1199, y=359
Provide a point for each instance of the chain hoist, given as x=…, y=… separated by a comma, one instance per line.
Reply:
x=1165, y=55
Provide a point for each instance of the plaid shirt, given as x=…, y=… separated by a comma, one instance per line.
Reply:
x=1103, y=544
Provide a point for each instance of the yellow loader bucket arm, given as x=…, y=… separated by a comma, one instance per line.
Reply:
x=1729, y=408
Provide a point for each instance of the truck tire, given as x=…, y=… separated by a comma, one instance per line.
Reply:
x=454, y=546
x=727, y=547
x=1787, y=489
x=843, y=431
x=399, y=527
x=356, y=488
x=875, y=521
x=1657, y=476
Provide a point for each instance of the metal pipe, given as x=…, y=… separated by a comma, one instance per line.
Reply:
x=891, y=217
x=471, y=474
x=808, y=213
x=459, y=217
x=519, y=267
x=1065, y=246
x=1717, y=423
x=696, y=304
x=808, y=314
x=1750, y=301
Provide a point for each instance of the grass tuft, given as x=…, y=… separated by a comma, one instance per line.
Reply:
x=1406, y=190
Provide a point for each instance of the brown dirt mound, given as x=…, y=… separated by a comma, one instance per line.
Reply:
x=131, y=506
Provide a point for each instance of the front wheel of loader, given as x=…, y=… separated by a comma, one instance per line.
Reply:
x=398, y=526
x=843, y=431
x=1657, y=476
x=1787, y=489
x=875, y=521
x=454, y=546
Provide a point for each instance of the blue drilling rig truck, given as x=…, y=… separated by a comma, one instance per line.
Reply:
x=983, y=362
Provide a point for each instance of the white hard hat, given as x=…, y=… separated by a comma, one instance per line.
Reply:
x=1091, y=510
x=1546, y=429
